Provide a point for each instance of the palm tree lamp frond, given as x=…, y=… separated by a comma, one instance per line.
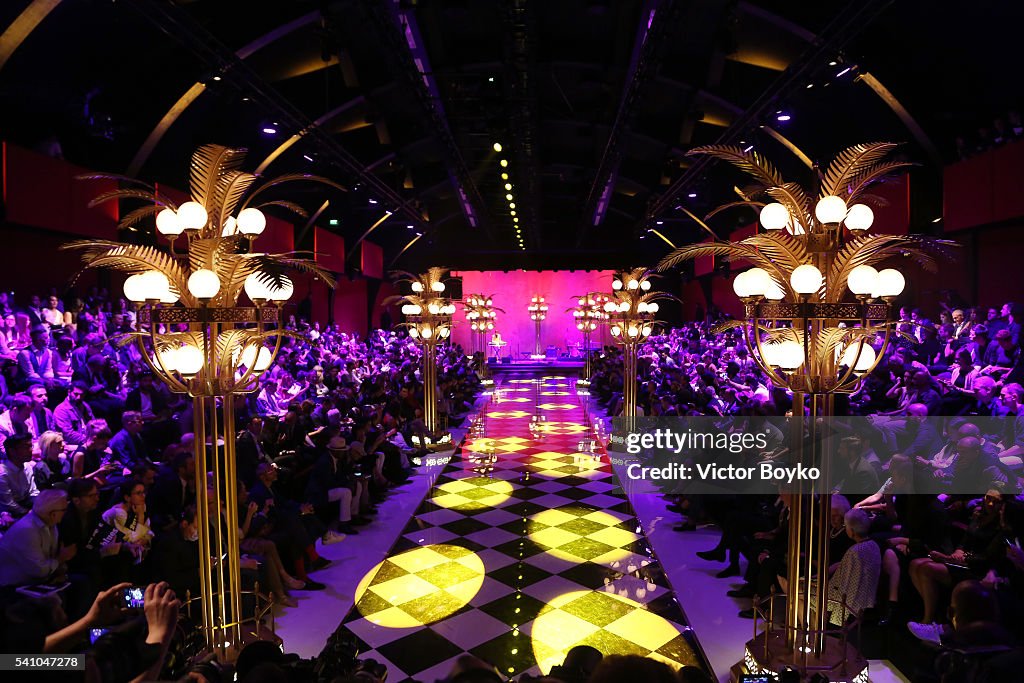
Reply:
x=197, y=340
x=813, y=303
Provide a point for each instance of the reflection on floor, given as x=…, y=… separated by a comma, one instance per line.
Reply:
x=521, y=551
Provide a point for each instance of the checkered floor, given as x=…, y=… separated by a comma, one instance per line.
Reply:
x=523, y=549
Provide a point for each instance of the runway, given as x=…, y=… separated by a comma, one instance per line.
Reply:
x=523, y=548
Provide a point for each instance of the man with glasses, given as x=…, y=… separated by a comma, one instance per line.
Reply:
x=30, y=551
x=127, y=445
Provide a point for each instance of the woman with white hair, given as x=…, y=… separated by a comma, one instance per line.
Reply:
x=853, y=585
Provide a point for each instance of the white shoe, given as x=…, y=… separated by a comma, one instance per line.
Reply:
x=929, y=633
x=332, y=537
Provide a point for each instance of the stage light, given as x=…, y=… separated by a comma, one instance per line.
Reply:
x=454, y=561
x=504, y=176
x=508, y=186
x=692, y=195
x=497, y=146
x=508, y=197
x=504, y=163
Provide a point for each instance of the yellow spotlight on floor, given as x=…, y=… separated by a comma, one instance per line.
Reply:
x=608, y=622
x=579, y=534
x=472, y=493
x=419, y=586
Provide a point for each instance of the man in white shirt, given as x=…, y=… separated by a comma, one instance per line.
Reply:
x=30, y=551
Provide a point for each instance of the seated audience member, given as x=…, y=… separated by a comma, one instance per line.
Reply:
x=332, y=481
x=30, y=551
x=92, y=458
x=35, y=363
x=53, y=466
x=15, y=420
x=131, y=521
x=41, y=420
x=127, y=445
x=173, y=490
x=853, y=585
x=175, y=555
x=79, y=527
x=17, y=489
x=104, y=386
x=74, y=414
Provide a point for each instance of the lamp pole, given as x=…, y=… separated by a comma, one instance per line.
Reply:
x=808, y=336
x=538, y=312
x=219, y=349
x=631, y=308
x=428, y=315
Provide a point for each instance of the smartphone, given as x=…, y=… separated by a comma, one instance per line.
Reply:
x=133, y=598
x=96, y=633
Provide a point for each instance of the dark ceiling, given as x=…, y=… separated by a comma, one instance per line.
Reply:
x=595, y=103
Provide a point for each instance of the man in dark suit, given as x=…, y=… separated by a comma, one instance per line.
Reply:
x=154, y=404
x=250, y=451
x=127, y=445
x=173, y=490
x=175, y=554
x=860, y=479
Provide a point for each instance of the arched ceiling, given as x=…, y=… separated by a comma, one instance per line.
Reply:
x=595, y=103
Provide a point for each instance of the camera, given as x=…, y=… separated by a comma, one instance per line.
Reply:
x=133, y=597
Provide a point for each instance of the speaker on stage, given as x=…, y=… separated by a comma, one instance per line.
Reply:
x=506, y=360
x=552, y=352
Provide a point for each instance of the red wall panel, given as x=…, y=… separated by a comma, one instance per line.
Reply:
x=704, y=264
x=967, y=193
x=330, y=250
x=371, y=260
x=1007, y=181
x=893, y=219
x=350, y=305
x=43, y=192
x=742, y=234
x=277, y=238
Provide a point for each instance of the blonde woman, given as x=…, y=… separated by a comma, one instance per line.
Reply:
x=52, y=466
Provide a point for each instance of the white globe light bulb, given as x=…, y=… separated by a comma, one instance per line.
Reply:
x=805, y=279
x=653, y=307
x=134, y=288
x=775, y=216
x=192, y=216
x=427, y=333
x=263, y=359
x=433, y=309
x=249, y=355
x=633, y=331
x=414, y=333
x=284, y=292
x=645, y=285
x=437, y=286
x=443, y=333
x=758, y=281
x=256, y=288
x=632, y=284
x=740, y=285
x=417, y=286
x=616, y=330
x=188, y=360
x=645, y=330
x=154, y=285
x=203, y=284
x=861, y=353
x=774, y=292
x=168, y=358
x=859, y=217
x=230, y=227
x=616, y=285
x=830, y=209
x=791, y=355
x=609, y=306
x=890, y=282
x=251, y=222
x=167, y=223
x=862, y=280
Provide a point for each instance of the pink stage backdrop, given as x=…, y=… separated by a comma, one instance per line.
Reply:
x=512, y=291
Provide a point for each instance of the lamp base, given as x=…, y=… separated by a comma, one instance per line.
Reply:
x=768, y=653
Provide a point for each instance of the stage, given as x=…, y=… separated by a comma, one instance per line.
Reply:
x=532, y=364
